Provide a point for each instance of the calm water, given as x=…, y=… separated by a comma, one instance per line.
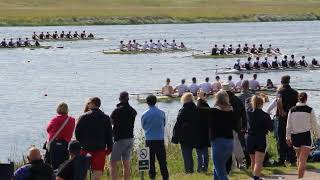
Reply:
x=80, y=70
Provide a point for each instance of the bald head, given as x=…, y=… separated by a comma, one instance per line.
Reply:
x=34, y=154
x=245, y=85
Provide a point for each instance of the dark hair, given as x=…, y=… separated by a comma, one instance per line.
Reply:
x=183, y=81
x=230, y=78
x=194, y=79
x=303, y=97
x=241, y=76
x=207, y=79
x=257, y=58
x=217, y=77
x=124, y=96
x=96, y=101
x=168, y=80
x=151, y=100
x=255, y=76
x=285, y=79
x=285, y=56
x=292, y=56
x=74, y=147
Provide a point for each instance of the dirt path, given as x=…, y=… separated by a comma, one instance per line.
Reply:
x=310, y=175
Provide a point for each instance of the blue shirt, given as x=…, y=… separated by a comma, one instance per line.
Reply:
x=153, y=122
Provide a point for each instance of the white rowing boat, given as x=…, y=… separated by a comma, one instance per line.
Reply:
x=244, y=71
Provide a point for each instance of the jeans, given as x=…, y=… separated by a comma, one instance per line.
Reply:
x=157, y=149
x=203, y=159
x=285, y=152
x=222, y=149
x=187, y=158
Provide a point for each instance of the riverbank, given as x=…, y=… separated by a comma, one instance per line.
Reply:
x=123, y=12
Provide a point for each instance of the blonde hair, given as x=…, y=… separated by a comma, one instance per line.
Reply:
x=62, y=109
x=256, y=102
x=222, y=98
x=187, y=97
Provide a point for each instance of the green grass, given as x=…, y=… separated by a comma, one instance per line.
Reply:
x=78, y=12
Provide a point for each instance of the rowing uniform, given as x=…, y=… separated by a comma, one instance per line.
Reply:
x=238, y=50
x=19, y=43
x=37, y=43
x=10, y=44
x=231, y=84
x=83, y=35
x=121, y=47
x=284, y=63
x=216, y=86
x=301, y=124
x=222, y=51
x=129, y=46
x=68, y=36
x=34, y=37
x=303, y=63
x=91, y=36
x=206, y=87
x=135, y=46
x=265, y=64
x=230, y=50
x=292, y=63
x=256, y=64
x=274, y=64
x=246, y=49
x=194, y=88
x=314, y=62
x=47, y=36
x=214, y=51
x=55, y=36
x=254, y=84
x=239, y=84
x=269, y=50
x=237, y=66
x=182, y=88
x=260, y=49
x=159, y=45
x=167, y=90
x=173, y=45
x=75, y=35
x=165, y=45
x=153, y=45
x=145, y=46
x=248, y=65
x=253, y=50
x=4, y=44
x=62, y=35
x=26, y=43
x=41, y=36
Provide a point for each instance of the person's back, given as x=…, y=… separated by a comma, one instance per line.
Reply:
x=289, y=97
x=75, y=168
x=153, y=122
x=259, y=122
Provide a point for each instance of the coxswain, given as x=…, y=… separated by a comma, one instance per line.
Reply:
x=48, y=35
x=19, y=42
x=256, y=63
x=238, y=50
x=165, y=44
x=314, y=62
x=152, y=45
x=69, y=36
x=62, y=35
x=303, y=62
x=41, y=36
x=269, y=84
x=83, y=35
x=37, y=43
x=223, y=50
x=173, y=45
x=4, y=43
x=35, y=36
x=75, y=35
x=265, y=63
x=237, y=65
x=230, y=49
x=129, y=46
x=275, y=63
x=182, y=46
x=11, y=43
x=292, y=62
x=246, y=48
x=135, y=45
x=253, y=50
x=269, y=49
x=284, y=62
x=122, y=46
x=26, y=42
x=248, y=64
x=90, y=36
x=167, y=90
x=145, y=46
x=159, y=45
x=55, y=35
x=214, y=50
x=260, y=48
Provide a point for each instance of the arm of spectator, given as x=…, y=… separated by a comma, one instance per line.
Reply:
x=289, y=126
x=109, y=133
x=78, y=129
x=272, y=106
x=315, y=125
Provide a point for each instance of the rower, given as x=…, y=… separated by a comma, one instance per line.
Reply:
x=129, y=46
x=269, y=84
x=19, y=42
x=165, y=44
x=246, y=48
x=216, y=86
x=238, y=50
x=182, y=88
x=152, y=45
x=231, y=83
x=173, y=45
x=35, y=36
x=83, y=35
x=275, y=63
x=4, y=43
x=260, y=49
x=75, y=35
x=230, y=49
x=222, y=50
x=55, y=35
x=182, y=46
x=237, y=65
x=62, y=35
x=314, y=62
x=214, y=50
x=303, y=62
x=48, y=36
x=256, y=63
x=159, y=45
x=254, y=84
x=253, y=49
x=248, y=64
x=269, y=49
x=69, y=36
x=206, y=86
x=26, y=42
x=145, y=46
x=37, y=43
x=41, y=36
x=265, y=63
x=90, y=36
x=292, y=62
x=121, y=46
x=135, y=45
x=284, y=62
x=11, y=44
x=194, y=87
x=167, y=90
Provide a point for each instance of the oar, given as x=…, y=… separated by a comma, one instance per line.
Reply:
x=304, y=89
x=215, y=69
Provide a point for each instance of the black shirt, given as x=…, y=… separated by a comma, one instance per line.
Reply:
x=214, y=51
x=259, y=122
x=289, y=97
x=238, y=51
x=75, y=168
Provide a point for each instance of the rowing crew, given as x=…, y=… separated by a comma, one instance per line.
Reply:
x=209, y=88
x=68, y=35
x=134, y=45
x=18, y=43
x=265, y=64
x=245, y=50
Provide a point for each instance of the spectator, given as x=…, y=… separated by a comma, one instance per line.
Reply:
x=94, y=132
x=60, y=130
x=259, y=123
x=36, y=169
x=153, y=123
x=302, y=123
x=76, y=167
x=287, y=98
x=122, y=118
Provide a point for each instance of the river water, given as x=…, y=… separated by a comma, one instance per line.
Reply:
x=81, y=70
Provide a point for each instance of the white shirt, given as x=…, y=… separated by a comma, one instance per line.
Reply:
x=231, y=84
x=152, y=46
x=239, y=84
x=182, y=88
x=121, y=47
x=216, y=86
x=194, y=88
x=145, y=46
x=129, y=45
x=254, y=84
x=165, y=45
x=173, y=45
x=159, y=45
x=272, y=106
x=206, y=87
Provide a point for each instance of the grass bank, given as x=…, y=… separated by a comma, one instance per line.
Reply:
x=105, y=12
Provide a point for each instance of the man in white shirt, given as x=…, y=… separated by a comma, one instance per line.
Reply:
x=182, y=88
x=239, y=83
x=194, y=87
x=159, y=45
x=254, y=84
x=216, y=86
x=129, y=46
x=206, y=86
x=173, y=45
x=145, y=46
x=165, y=44
x=231, y=83
x=152, y=45
x=121, y=46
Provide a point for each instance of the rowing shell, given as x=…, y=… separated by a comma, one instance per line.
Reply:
x=27, y=47
x=234, y=71
x=145, y=52
x=209, y=56
x=65, y=39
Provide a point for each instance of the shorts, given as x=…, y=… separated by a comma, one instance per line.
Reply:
x=97, y=159
x=256, y=144
x=301, y=139
x=121, y=150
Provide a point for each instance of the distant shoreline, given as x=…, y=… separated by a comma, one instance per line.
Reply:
x=78, y=21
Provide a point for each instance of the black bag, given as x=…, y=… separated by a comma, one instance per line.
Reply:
x=6, y=171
